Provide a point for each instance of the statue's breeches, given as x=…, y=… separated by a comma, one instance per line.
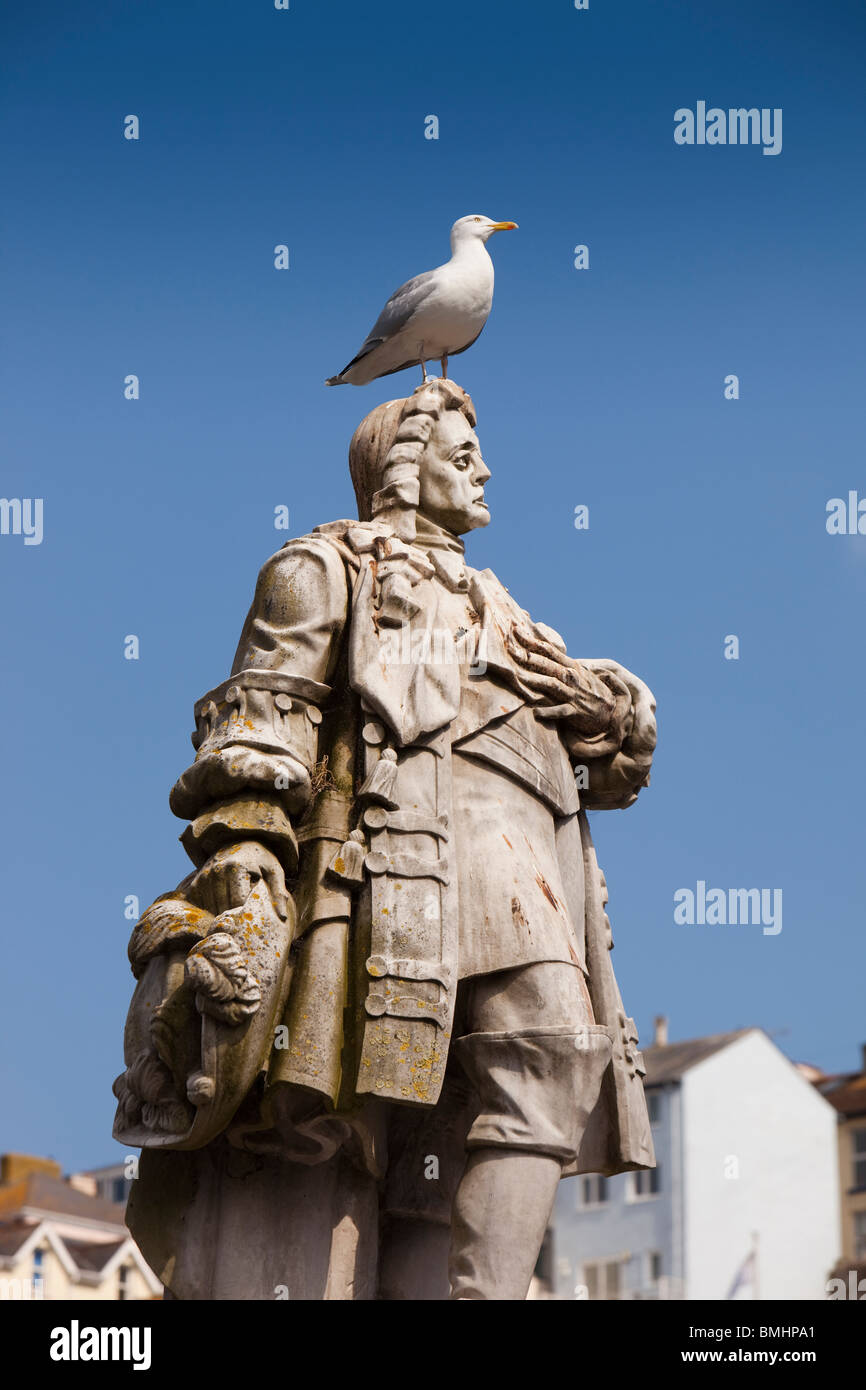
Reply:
x=538, y=1073
x=524, y=1073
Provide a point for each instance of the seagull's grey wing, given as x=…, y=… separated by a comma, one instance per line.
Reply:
x=401, y=307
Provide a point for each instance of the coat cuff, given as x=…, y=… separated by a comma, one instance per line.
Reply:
x=259, y=818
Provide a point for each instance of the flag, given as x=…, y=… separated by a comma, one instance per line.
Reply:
x=745, y=1277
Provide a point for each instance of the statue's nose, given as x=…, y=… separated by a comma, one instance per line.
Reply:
x=481, y=472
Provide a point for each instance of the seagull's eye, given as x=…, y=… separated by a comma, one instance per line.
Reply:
x=478, y=219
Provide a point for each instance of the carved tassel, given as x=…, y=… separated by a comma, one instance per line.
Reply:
x=348, y=863
x=379, y=786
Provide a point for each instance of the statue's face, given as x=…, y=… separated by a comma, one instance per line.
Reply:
x=452, y=476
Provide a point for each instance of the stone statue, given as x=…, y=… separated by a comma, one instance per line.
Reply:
x=378, y=1023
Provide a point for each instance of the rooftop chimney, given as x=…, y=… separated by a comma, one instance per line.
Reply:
x=660, y=1036
x=83, y=1182
x=14, y=1167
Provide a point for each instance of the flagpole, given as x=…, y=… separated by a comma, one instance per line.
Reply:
x=755, y=1286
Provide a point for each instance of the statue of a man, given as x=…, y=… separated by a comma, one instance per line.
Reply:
x=378, y=1023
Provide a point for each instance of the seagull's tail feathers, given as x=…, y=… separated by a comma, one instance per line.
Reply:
x=343, y=378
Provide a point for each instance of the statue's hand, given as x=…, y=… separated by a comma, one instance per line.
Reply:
x=229, y=876
x=594, y=705
x=617, y=776
x=639, y=732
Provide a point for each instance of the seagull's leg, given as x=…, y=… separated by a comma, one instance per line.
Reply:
x=423, y=370
x=444, y=361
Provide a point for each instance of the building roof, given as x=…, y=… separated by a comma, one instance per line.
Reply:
x=43, y=1193
x=13, y=1235
x=668, y=1063
x=92, y=1257
x=847, y=1094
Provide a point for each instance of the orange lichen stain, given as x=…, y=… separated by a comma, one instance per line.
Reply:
x=384, y=911
x=339, y=864
x=508, y=842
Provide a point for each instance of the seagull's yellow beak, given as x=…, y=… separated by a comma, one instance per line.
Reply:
x=504, y=226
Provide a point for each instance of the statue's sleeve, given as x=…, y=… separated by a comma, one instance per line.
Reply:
x=257, y=733
x=617, y=768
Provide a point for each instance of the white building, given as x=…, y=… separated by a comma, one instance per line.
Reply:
x=59, y=1240
x=744, y=1202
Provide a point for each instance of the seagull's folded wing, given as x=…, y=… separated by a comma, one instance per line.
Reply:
x=396, y=315
x=401, y=307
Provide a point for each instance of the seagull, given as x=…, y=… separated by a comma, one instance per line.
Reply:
x=434, y=315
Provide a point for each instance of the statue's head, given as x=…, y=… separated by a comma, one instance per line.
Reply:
x=421, y=454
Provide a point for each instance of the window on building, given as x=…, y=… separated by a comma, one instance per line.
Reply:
x=123, y=1283
x=602, y=1279
x=593, y=1191
x=118, y=1190
x=645, y=1183
x=860, y=1235
x=858, y=1157
x=38, y=1271
x=654, y=1266
x=654, y=1106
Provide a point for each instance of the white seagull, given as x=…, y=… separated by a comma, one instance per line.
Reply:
x=434, y=315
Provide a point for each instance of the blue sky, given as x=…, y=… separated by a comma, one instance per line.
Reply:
x=602, y=387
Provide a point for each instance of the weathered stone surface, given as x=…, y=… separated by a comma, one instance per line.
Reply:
x=379, y=1021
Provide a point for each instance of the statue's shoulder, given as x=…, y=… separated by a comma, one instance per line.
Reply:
x=335, y=547
x=323, y=546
